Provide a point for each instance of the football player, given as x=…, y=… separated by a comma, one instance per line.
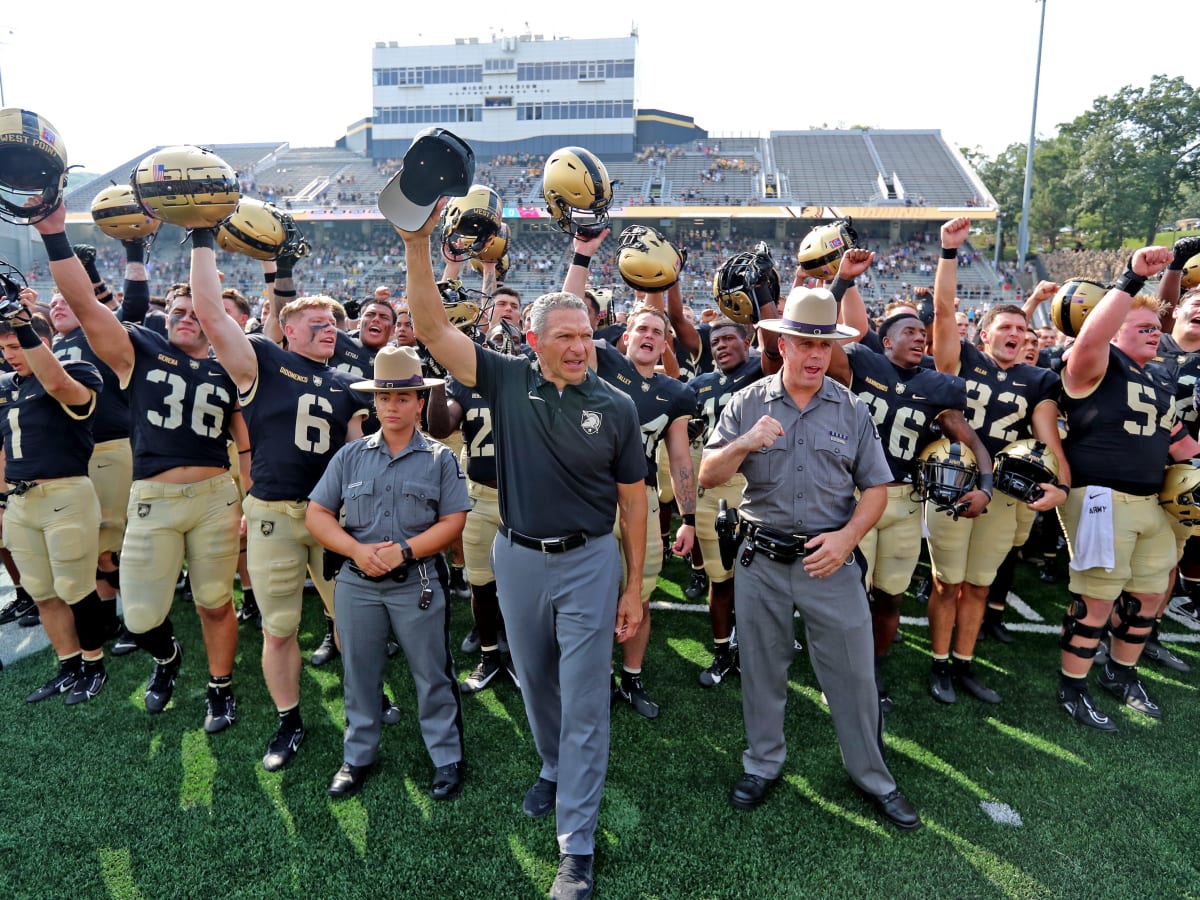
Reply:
x=909, y=404
x=664, y=407
x=52, y=520
x=284, y=394
x=1118, y=407
x=736, y=368
x=1007, y=400
x=182, y=502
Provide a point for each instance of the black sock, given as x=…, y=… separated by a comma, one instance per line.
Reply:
x=291, y=718
x=220, y=682
x=1079, y=683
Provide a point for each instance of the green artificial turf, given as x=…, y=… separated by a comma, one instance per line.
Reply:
x=105, y=801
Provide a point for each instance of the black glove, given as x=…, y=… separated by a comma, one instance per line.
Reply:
x=1185, y=249
x=696, y=428
x=86, y=254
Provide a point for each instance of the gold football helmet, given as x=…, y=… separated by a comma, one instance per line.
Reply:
x=186, y=186
x=1071, y=305
x=574, y=180
x=33, y=166
x=261, y=230
x=464, y=307
x=647, y=260
x=744, y=283
x=470, y=223
x=1180, y=494
x=823, y=247
x=1191, y=273
x=117, y=213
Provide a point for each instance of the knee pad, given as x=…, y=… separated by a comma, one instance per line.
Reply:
x=1073, y=625
x=1127, y=608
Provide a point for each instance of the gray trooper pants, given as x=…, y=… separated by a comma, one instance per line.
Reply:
x=559, y=612
x=837, y=623
x=365, y=612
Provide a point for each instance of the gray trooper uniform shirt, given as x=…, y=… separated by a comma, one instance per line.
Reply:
x=804, y=483
x=387, y=498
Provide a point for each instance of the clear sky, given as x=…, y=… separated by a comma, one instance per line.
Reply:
x=119, y=78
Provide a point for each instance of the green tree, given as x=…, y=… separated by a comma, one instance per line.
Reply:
x=1137, y=151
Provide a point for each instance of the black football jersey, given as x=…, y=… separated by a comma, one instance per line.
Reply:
x=712, y=391
x=297, y=412
x=476, y=431
x=904, y=404
x=351, y=356
x=659, y=399
x=179, y=407
x=691, y=367
x=1118, y=436
x=1183, y=367
x=111, y=421
x=1000, y=402
x=42, y=438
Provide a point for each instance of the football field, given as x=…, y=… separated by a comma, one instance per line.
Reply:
x=104, y=800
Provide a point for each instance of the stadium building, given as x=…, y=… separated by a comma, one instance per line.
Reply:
x=516, y=99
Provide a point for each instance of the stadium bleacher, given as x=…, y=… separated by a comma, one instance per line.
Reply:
x=881, y=169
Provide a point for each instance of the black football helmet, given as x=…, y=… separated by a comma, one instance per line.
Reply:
x=946, y=472
x=1022, y=466
x=33, y=166
x=744, y=283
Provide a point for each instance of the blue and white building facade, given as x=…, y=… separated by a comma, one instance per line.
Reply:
x=512, y=94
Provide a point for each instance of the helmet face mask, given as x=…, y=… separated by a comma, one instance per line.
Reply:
x=575, y=181
x=1022, y=467
x=1180, y=494
x=117, y=213
x=186, y=186
x=946, y=472
x=822, y=249
x=745, y=283
x=12, y=282
x=33, y=167
x=647, y=261
x=1075, y=299
x=471, y=223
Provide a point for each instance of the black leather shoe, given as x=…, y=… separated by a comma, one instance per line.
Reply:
x=447, y=781
x=750, y=791
x=540, y=798
x=574, y=879
x=895, y=808
x=326, y=651
x=348, y=781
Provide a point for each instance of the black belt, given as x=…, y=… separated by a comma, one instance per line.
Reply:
x=780, y=546
x=17, y=488
x=547, y=545
x=398, y=574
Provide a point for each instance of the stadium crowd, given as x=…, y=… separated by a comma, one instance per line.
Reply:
x=253, y=424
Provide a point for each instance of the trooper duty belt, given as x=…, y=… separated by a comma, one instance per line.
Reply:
x=779, y=546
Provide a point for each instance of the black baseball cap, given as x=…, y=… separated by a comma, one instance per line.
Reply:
x=438, y=164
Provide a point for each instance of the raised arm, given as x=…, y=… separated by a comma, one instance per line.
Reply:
x=946, y=348
x=1088, y=359
x=577, y=273
x=229, y=342
x=106, y=335
x=449, y=346
x=46, y=367
x=852, y=308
